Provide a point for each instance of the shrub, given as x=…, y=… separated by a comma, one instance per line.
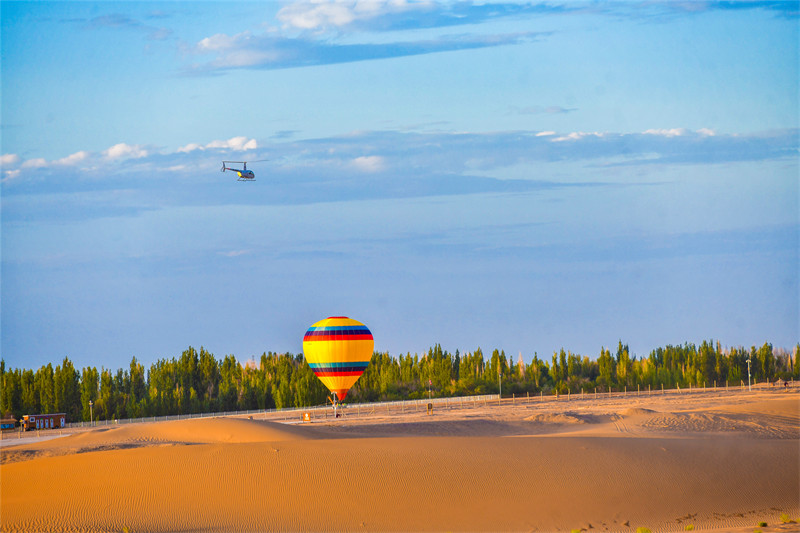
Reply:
x=690, y=527
x=642, y=530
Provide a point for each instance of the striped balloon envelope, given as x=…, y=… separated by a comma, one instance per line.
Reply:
x=338, y=350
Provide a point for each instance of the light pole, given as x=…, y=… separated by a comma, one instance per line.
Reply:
x=91, y=414
x=748, y=375
x=500, y=380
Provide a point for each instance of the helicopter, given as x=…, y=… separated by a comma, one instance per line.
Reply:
x=243, y=173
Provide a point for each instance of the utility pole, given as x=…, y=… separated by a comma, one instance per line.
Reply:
x=500, y=380
x=91, y=413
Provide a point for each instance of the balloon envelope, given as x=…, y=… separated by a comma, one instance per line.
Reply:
x=338, y=350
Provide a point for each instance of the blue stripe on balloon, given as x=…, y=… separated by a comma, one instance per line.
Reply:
x=355, y=365
x=360, y=329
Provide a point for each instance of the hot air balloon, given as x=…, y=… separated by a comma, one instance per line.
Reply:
x=338, y=350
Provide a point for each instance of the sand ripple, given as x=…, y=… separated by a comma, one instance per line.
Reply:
x=663, y=466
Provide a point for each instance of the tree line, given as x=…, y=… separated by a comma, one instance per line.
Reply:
x=197, y=382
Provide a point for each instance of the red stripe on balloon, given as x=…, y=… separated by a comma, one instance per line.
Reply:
x=336, y=373
x=364, y=337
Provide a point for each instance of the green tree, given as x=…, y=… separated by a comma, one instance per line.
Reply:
x=229, y=384
x=623, y=365
x=106, y=401
x=707, y=361
x=765, y=367
x=537, y=372
x=90, y=385
x=137, y=391
x=208, y=371
x=11, y=394
x=67, y=389
x=281, y=384
x=45, y=384
x=720, y=365
x=606, y=368
x=29, y=396
x=121, y=385
x=189, y=380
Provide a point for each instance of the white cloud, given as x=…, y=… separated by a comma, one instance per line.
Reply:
x=309, y=15
x=191, y=147
x=324, y=14
x=577, y=135
x=238, y=144
x=73, y=159
x=369, y=163
x=674, y=132
x=38, y=162
x=680, y=132
x=123, y=150
x=9, y=160
x=545, y=133
x=9, y=175
x=239, y=51
x=220, y=42
x=235, y=253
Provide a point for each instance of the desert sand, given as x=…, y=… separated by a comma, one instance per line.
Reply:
x=712, y=461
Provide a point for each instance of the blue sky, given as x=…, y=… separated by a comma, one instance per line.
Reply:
x=520, y=175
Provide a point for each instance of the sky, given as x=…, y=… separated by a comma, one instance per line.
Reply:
x=525, y=176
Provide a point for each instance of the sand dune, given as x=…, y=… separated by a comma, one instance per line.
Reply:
x=184, y=432
x=718, y=462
